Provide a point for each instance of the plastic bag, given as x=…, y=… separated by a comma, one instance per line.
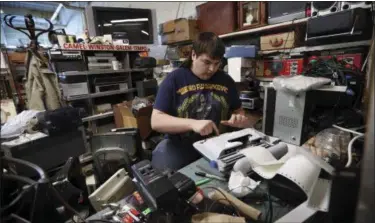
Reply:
x=17, y=124
x=297, y=84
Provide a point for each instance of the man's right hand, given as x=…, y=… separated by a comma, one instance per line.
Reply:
x=204, y=127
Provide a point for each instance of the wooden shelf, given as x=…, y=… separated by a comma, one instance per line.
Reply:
x=302, y=49
x=263, y=28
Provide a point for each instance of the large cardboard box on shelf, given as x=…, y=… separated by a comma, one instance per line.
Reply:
x=124, y=117
x=179, y=30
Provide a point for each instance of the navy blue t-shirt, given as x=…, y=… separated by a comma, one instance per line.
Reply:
x=182, y=94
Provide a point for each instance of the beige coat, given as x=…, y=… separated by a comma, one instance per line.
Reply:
x=42, y=89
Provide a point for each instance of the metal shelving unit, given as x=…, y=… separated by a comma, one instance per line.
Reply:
x=95, y=72
x=101, y=94
x=88, y=101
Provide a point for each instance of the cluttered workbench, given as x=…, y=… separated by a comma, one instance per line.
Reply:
x=264, y=184
x=256, y=200
x=206, y=184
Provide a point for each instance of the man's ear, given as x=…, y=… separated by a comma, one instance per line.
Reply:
x=193, y=55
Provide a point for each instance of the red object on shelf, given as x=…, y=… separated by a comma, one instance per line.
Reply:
x=354, y=59
x=274, y=68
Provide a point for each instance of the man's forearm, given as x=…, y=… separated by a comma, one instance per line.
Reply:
x=165, y=123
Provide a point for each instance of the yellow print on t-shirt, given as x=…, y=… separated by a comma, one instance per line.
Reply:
x=198, y=87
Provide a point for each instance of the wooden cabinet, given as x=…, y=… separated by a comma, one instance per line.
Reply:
x=251, y=15
x=217, y=17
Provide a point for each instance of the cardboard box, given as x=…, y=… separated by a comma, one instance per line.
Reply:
x=279, y=41
x=179, y=30
x=124, y=118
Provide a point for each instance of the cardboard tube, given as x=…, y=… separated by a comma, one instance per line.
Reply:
x=242, y=207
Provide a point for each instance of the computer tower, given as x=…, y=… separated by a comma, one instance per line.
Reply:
x=289, y=116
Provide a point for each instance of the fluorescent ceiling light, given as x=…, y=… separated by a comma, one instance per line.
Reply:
x=56, y=13
x=107, y=24
x=130, y=20
x=144, y=32
x=1, y=11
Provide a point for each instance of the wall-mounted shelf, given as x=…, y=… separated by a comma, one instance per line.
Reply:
x=302, y=49
x=264, y=28
x=91, y=72
x=100, y=94
x=98, y=116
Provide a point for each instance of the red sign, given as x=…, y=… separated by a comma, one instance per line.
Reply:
x=102, y=47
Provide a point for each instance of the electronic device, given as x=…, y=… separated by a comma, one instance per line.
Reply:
x=289, y=117
x=120, y=38
x=136, y=24
x=147, y=87
x=48, y=152
x=285, y=11
x=343, y=26
x=99, y=66
x=347, y=5
x=250, y=100
x=145, y=62
x=118, y=186
x=156, y=189
x=63, y=60
x=108, y=160
x=185, y=186
x=224, y=150
x=103, y=84
x=98, y=59
x=127, y=139
x=324, y=8
x=73, y=85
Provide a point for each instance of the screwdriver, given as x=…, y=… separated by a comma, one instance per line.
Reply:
x=202, y=174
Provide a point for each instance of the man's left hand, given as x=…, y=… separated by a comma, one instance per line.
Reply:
x=237, y=121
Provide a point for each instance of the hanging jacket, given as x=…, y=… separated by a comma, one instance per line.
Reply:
x=42, y=89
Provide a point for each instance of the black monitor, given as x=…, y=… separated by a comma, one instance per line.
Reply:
x=135, y=24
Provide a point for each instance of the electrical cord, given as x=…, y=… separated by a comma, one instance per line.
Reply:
x=348, y=130
x=350, y=147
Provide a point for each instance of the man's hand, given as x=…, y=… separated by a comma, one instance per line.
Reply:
x=237, y=121
x=204, y=127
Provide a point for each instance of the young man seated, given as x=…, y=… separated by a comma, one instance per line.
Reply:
x=194, y=102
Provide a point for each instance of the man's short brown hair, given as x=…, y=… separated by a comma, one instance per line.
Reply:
x=209, y=43
x=206, y=43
